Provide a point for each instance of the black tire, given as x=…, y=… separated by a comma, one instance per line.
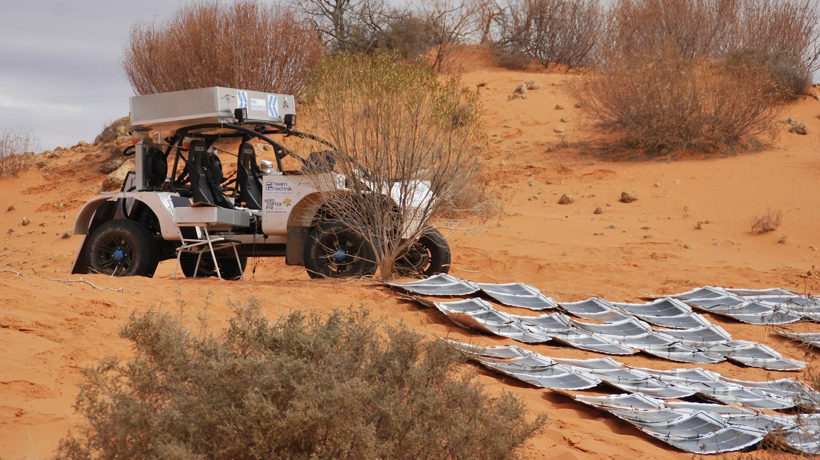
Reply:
x=334, y=250
x=225, y=258
x=122, y=247
x=428, y=256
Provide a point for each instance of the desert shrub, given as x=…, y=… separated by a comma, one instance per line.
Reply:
x=690, y=28
x=16, y=146
x=673, y=103
x=302, y=387
x=243, y=45
x=396, y=128
x=715, y=28
x=550, y=31
x=767, y=222
x=407, y=35
x=791, y=27
x=789, y=75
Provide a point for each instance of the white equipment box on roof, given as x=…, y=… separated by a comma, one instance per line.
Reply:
x=177, y=109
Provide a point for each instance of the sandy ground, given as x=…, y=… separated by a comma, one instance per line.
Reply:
x=50, y=329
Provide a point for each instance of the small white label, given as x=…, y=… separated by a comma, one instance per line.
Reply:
x=258, y=104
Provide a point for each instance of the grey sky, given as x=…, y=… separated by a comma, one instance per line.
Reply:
x=60, y=73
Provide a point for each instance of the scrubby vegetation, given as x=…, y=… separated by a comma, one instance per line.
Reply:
x=302, y=387
x=242, y=45
x=16, y=150
x=675, y=103
x=766, y=222
x=396, y=122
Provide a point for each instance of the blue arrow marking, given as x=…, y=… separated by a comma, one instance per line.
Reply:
x=273, y=108
x=242, y=99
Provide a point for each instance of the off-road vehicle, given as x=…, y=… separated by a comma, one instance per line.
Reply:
x=179, y=204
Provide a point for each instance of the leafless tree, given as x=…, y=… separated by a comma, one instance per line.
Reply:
x=552, y=31
x=452, y=22
x=400, y=133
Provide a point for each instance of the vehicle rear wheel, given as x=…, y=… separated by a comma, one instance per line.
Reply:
x=428, y=256
x=226, y=259
x=335, y=250
x=122, y=247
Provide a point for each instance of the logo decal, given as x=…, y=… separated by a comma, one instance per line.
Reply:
x=273, y=109
x=242, y=99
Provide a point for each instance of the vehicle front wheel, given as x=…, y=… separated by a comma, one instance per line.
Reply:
x=335, y=250
x=428, y=256
x=122, y=247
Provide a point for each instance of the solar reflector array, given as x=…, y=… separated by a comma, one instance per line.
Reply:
x=754, y=306
x=692, y=427
x=705, y=344
x=665, y=384
x=666, y=328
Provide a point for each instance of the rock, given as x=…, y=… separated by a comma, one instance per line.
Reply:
x=111, y=165
x=782, y=240
x=10, y=208
x=66, y=235
x=533, y=183
x=689, y=246
x=527, y=174
x=531, y=85
x=117, y=129
x=627, y=197
x=565, y=199
x=51, y=155
x=116, y=178
x=578, y=105
x=799, y=129
x=610, y=227
x=647, y=236
x=559, y=107
x=25, y=221
x=559, y=129
x=533, y=198
x=566, y=119
x=598, y=210
x=516, y=96
x=657, y=185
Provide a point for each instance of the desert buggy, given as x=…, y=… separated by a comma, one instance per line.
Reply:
x=211, y=223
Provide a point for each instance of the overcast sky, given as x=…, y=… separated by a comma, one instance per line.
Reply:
x=60, y=73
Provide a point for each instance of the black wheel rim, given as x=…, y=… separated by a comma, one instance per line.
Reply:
x=115, y=255
x=341, y=253
x=416, y=260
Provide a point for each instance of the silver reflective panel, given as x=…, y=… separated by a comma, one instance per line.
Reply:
x=518, y=295
x=438, y=285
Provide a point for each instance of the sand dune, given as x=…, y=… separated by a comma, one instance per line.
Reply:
x=50, y=329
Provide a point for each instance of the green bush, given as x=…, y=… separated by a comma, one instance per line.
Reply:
x=301, y=387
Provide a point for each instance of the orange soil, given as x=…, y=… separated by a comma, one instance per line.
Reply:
x=51, y=329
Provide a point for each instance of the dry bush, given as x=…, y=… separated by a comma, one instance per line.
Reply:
x=452, y=22
x=789, y=75
x=691, y=28
x=114, y=130
x=242, y=45
x=715, y=28
x=398, y=130
x=550, y=31
x=767, y=222
x=303, y=387
x=674, y=103
x=16, y=147
x=408, y=35
x=780, y=26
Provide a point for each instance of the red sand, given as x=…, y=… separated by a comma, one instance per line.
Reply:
x=50, y=329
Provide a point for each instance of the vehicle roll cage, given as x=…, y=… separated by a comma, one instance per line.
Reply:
x=260, y=131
